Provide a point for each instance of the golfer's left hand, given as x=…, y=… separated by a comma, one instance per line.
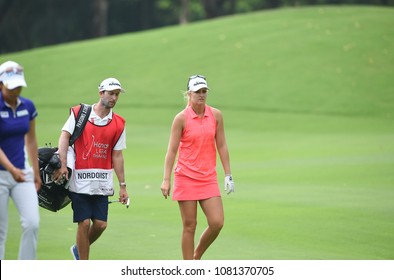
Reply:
x=228, y=184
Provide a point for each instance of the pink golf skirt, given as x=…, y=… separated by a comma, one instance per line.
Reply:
x=186, y=188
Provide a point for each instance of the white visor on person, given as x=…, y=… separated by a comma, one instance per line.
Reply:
x=12, y=75
x=196, y=83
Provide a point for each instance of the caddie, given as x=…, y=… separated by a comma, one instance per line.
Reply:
x=96, y=153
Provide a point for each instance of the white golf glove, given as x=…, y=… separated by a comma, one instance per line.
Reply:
x=228, y=184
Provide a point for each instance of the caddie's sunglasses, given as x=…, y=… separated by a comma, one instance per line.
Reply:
x=193, y=77
x=13, y=71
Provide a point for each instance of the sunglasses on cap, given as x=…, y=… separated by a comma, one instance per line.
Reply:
x=193, y=77
x=10, y=71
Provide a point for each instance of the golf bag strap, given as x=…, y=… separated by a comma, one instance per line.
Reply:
x=80, y=122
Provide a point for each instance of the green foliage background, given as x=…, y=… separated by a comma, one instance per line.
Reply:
x=307, y=99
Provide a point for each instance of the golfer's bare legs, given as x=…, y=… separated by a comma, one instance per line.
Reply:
x=213, y=210
x=87, y=234
x=189, y=220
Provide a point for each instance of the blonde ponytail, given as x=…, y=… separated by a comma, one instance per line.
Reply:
x=187, y=98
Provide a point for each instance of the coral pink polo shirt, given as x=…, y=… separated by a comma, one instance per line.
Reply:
x=195, y=173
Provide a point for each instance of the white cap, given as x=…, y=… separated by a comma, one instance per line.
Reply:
x=110, y=84
x=11, y=75
x=197, y=82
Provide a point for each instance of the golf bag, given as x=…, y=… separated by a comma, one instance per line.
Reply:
x=53, y=195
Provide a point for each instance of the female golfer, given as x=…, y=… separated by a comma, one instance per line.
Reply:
x=19, y=179
x=197, y=132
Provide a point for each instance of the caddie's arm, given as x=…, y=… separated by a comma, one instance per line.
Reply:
x=62, y=151
x=118, y=163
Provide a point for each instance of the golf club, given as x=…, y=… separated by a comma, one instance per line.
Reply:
x=116, y=200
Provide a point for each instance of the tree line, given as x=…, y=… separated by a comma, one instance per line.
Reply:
x=26, y=24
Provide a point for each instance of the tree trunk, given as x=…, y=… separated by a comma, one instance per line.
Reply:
x=185, y=12
x=211, y=8
x=100, y=18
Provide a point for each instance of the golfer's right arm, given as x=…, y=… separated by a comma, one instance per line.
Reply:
x=168, y=164
x=176, y=133
x=16, y=173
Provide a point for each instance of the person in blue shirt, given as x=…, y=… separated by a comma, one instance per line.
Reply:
x=19, y=179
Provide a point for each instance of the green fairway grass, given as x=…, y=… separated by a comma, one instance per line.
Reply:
x=307, y=98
